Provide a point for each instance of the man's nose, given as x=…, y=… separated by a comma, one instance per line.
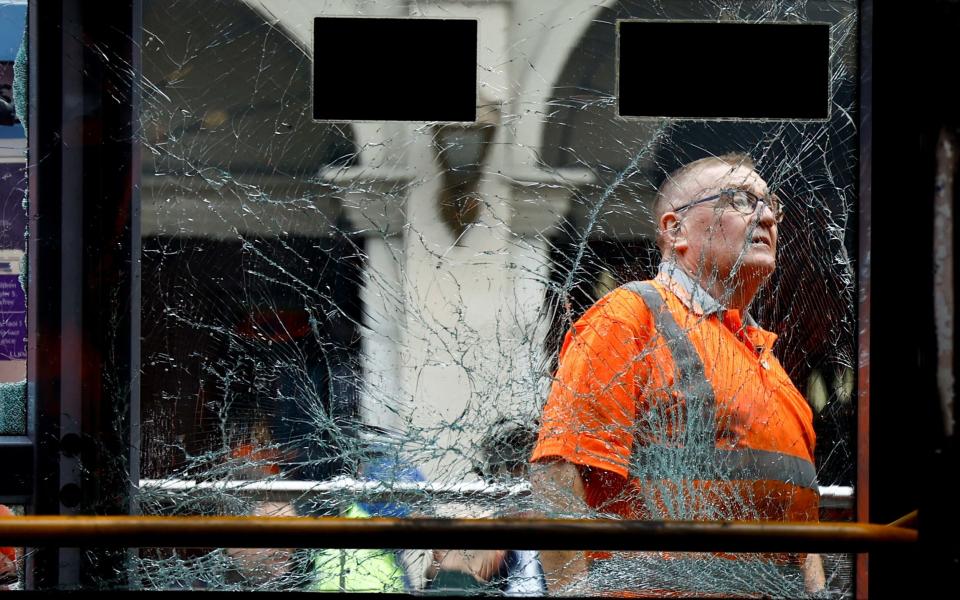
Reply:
x=766, y=215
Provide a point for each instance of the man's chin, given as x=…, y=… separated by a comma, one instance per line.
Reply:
x=758, y=270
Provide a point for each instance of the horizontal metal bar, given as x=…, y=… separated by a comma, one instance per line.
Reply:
x=340, y=487
x=533, y=534
x=15, y=441
x=833, y=496
x=836, y=496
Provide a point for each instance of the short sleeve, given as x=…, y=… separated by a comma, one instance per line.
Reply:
x=589, y=415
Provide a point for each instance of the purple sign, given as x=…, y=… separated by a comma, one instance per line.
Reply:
x=13, y=314
x=13, y=219
x=13, y=319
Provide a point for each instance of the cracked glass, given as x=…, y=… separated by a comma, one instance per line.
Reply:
x=365, y=318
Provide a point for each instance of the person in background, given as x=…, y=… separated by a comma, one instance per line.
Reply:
x=358, y=570
x=273, y=567
x=255, y=458
x=368, y=570
x=503, y=453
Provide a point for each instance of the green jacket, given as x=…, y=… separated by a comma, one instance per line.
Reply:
x=356, y=570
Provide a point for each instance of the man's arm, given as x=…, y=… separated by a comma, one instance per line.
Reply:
x=814, y=581
x=264, y=564
x=481, y=565
x=559, y=485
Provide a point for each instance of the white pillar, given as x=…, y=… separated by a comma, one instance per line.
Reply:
x=374, y=201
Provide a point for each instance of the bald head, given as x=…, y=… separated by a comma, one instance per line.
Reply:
x=682, y=185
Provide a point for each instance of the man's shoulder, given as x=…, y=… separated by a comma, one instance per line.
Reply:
x=623, y=305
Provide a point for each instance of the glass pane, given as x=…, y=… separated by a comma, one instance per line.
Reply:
x=13, y=224
x=366, y=318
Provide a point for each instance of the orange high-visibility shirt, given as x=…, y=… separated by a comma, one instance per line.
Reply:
x=735, y=442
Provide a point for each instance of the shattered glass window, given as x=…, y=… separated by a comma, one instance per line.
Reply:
x=365, y=318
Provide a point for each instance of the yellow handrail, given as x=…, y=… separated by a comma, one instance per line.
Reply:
x=539, y=534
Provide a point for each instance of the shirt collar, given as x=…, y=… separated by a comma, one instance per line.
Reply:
x=691, y=293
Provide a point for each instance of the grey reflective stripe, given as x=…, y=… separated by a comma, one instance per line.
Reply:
x=700, y=430
x=750, y=463
x=738, y=464
x=749, y=576
x=699, y=458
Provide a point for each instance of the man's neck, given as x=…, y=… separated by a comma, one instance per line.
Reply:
x=742, y=297
x=728, y=291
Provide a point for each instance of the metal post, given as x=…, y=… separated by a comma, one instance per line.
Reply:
x=863, y=263
x=84, y=288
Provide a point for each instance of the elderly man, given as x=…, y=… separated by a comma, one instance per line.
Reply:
x=668, y=402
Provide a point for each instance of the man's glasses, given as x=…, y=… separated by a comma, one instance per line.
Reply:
x=741, y=201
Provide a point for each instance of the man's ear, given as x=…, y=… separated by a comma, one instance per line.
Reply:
x=671, y=232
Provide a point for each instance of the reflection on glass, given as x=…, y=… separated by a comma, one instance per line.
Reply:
x=13, y=223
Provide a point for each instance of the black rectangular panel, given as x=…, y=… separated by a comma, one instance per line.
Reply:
x=724, y=70
x=372, y=69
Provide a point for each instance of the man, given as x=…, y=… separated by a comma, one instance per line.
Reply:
x=504, y=453
x=668, y=403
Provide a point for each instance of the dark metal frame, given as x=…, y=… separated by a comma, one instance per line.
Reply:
x=83, y=287
x=83, y=296
x=863, y=264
